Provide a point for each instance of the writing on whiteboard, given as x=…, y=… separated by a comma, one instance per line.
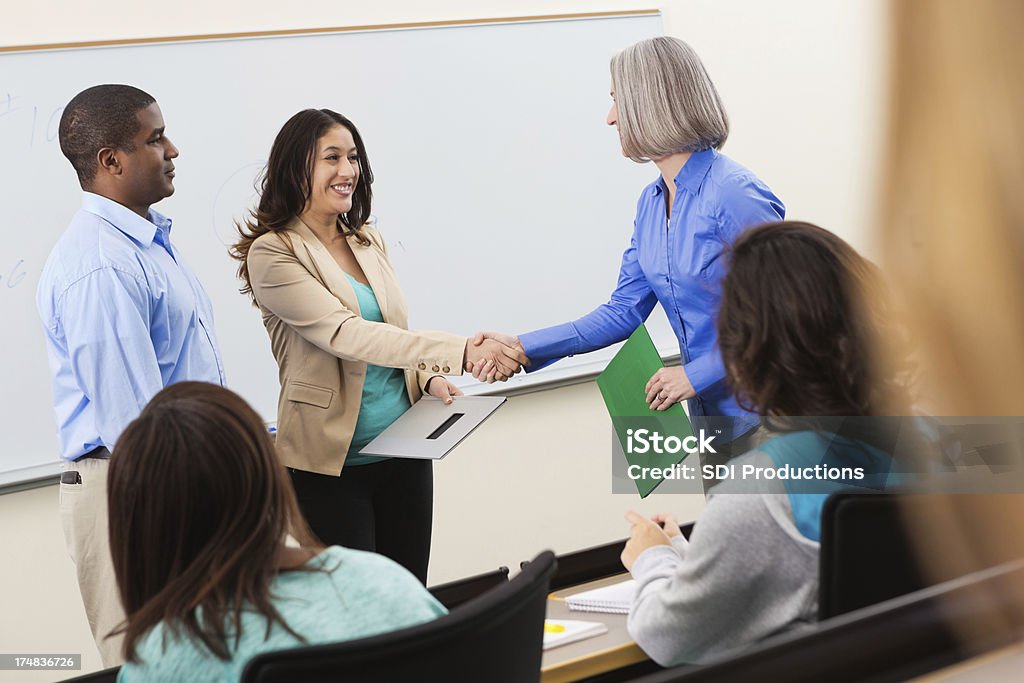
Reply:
x=13, y=276
x=39, y=124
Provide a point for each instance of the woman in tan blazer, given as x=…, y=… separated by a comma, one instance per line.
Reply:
x=319, y=273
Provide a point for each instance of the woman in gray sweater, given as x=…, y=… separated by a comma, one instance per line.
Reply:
x=799, y=316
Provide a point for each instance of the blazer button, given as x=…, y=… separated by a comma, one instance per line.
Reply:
x=446, y=369
x=422, y=366
x=435, y=369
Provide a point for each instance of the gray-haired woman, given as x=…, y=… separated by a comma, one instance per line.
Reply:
x=667, y=110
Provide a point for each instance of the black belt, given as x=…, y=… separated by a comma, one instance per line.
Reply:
x=70, y=476
x=100, y=453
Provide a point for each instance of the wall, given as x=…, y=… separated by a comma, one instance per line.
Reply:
x=802, y=82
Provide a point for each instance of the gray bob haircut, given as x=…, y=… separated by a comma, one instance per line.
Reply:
x=666, y=101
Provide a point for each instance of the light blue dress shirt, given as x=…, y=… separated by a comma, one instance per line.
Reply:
x=124, y=317
x=679, y=264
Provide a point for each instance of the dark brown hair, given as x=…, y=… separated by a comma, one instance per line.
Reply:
x=199, y=509
x=287, y=183
x=800, y=317
x=98, y=117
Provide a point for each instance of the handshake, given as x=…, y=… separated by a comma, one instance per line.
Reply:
x=493, y=356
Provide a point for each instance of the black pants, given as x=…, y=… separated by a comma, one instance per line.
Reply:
x=385, y=507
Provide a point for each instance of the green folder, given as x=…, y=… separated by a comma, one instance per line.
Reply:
x=623, y=385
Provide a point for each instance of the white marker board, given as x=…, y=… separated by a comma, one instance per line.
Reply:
x=501, y=192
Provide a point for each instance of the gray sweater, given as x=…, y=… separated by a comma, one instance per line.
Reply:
x=745, y=574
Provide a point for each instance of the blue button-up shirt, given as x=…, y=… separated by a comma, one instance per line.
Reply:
x=678, y=264
x=124, y=317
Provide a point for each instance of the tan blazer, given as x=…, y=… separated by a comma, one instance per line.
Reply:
x=323, y=346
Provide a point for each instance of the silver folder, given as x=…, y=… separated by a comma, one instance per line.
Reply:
x=430, y=429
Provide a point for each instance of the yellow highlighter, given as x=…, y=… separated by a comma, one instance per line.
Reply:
x=553, y=627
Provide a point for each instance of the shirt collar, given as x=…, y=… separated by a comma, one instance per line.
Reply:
x=127, y=221
x=691, y=175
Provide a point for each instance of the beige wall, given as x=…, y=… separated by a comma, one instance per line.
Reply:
x=801, y=81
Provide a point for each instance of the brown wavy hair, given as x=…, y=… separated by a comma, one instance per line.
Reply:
x=286, y=184
x=199, y=508
x=801, y=315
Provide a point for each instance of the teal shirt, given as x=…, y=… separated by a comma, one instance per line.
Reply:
x=354, y=595
x=384, y=397
x=807, y=449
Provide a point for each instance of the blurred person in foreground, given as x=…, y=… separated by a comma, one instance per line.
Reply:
x=952, y=232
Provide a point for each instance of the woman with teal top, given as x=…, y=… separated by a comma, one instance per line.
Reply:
x=801, y=314
x=313, y=262
x=200, y=510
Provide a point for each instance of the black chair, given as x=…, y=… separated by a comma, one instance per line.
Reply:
x=455, y=593
x=591, y=564
x=104, y=676
x=867, y=552
x=496, y=637
x=451, y=595
x=895, y=640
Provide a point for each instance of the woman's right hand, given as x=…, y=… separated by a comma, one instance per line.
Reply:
x=490, y=359
x=669, y=524
x=644, y=534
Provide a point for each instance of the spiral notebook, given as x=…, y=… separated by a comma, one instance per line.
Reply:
x=613, y=599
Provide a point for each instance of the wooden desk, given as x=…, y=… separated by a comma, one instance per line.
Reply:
x=592, y=656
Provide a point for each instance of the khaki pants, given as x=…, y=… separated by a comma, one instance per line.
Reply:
x=83, y=511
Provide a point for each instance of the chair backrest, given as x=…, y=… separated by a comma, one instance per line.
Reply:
x=866, y=554
x=496, y=637
x=104, y=676
x=588, y=564
x=455, y=593
x=895, y=640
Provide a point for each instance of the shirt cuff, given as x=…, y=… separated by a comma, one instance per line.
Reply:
x=705, y=371
x=544, y=347
x=680, y=544
x=650, y=559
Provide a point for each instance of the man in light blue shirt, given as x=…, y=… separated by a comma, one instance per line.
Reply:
x=123, y=315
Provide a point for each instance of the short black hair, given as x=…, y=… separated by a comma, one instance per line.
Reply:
x=98, y=117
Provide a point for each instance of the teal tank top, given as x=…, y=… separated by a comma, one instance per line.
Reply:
x=384, y=397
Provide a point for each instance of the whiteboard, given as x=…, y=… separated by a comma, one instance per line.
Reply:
x=502, y=194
